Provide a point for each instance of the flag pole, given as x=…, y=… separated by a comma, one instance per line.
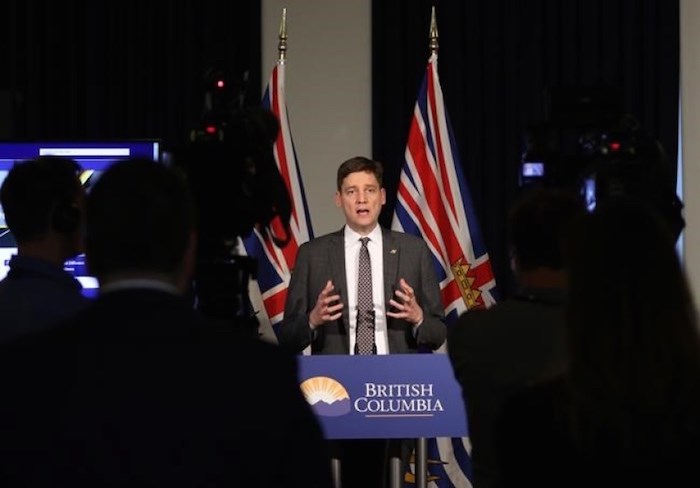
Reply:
x=422, y=443
x=281, y=57
x=433, y=45
x=282, y=43
x=432, y=183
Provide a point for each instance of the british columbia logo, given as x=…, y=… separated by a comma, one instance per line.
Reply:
x=329, y=398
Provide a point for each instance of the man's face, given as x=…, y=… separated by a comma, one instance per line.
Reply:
x=361, y=199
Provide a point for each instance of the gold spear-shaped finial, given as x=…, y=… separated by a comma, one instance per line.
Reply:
x=433, y=33
x=282, y=44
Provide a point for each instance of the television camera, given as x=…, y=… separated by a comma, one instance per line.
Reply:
x=237, y=189
x=589, y=144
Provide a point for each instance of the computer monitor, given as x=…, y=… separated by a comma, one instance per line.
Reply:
x=94, y=157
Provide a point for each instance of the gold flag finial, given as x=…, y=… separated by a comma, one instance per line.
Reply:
x=433, y=33
x=282, y=44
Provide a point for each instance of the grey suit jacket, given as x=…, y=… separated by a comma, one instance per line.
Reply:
x=322, y=259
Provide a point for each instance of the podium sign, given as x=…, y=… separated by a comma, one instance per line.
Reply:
x=384, y=396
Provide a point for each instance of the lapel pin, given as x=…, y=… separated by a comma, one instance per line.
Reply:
x=393, y=251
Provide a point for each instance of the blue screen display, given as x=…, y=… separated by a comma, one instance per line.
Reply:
x=94, y=157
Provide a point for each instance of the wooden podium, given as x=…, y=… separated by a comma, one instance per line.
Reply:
x=393, y=396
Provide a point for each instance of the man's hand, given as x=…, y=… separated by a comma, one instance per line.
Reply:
x=404, y=304
x=328, y=307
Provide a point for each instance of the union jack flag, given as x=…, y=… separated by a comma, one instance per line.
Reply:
x=434, y=202
x=275, y=263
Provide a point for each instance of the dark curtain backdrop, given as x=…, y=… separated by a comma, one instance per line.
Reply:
x=93, y=69
x=496, y=59
x=81, y=69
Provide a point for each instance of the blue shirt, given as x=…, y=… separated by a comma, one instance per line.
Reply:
x=34, y=295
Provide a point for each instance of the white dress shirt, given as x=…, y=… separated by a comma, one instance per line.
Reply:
x=352, y=260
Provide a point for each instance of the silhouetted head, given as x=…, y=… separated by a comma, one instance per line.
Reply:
x=537, y=224
x=140, y=222
x=44, y=198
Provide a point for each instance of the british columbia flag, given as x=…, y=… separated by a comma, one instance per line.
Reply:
x=434, y=202
x=275, y=263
